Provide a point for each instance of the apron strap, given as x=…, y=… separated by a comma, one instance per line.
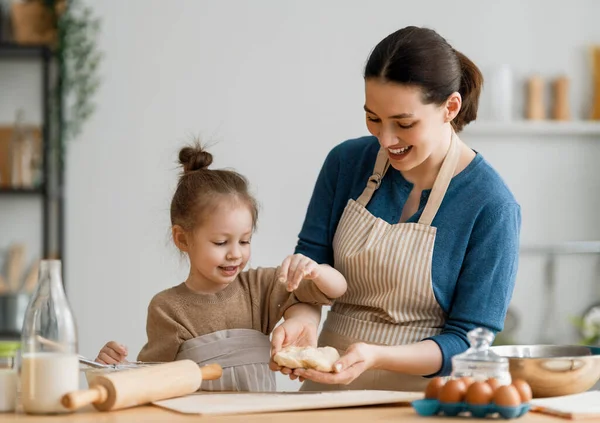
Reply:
x=229, y=348
x=442, y=181
x=381, y=166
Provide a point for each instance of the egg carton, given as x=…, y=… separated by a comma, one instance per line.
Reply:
x=433, y=407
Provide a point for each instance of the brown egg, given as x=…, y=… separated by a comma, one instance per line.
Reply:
x=524, y=390
x=507, y=396
x=493, y=382
x=453, y=391
x=479, y=393
x=468, y=380
x=433, y=388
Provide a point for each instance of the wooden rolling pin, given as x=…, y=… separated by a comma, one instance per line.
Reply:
x=129, y=388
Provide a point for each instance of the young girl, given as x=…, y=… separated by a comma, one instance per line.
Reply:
x=220, y=313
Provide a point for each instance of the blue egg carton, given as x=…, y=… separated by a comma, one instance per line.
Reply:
x=432, y=407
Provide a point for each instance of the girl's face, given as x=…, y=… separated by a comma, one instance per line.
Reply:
x=219, y=248
x=409, y=130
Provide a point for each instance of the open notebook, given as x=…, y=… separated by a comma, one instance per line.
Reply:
x=579, y=406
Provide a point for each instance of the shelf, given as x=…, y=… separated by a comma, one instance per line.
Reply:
x=580, y=128
x=22, y=191
x=12, y=51
x=565, y=248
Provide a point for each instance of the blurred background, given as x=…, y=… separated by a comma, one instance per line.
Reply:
x=96, y=99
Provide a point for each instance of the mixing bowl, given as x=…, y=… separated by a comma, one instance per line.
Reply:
x=553, y=370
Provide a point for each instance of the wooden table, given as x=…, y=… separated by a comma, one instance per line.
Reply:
x=394, y=414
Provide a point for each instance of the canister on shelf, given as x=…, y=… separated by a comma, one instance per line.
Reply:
x=8, y=376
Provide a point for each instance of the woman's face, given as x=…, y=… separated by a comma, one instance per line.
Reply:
x=409, y=130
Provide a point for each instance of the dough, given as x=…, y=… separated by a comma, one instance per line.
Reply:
x=320, y=359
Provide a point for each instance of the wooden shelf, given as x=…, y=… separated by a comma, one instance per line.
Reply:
x=22, y=191
x=553, y=128
x=565, y=248
x=16, y=51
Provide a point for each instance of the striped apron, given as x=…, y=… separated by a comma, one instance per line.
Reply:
x=243, y=354
x=390, y=299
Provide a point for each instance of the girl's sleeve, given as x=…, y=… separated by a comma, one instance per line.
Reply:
x=163, y=334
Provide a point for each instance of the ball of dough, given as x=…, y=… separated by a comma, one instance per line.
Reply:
x=321, y=359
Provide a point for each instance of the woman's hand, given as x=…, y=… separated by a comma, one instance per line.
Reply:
x=297, y=267
x=295, y=331
x=358, y=358
x=112, y=353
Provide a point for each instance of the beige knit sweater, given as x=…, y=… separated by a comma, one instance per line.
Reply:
x=255, y=300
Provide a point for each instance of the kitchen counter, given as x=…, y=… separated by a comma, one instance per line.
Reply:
x=396, y=414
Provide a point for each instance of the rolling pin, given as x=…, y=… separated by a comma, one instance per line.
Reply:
x=129, y=388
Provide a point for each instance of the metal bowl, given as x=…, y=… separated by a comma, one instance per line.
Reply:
x=553, y=370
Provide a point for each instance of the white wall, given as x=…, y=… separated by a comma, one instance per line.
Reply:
x=278, y=84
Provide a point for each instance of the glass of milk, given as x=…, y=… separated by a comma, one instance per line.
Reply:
x=49, y=363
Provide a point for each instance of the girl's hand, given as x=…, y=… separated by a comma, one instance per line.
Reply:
x=297, y=267
x=112, y=353
x=358, y=358
x=295, y=331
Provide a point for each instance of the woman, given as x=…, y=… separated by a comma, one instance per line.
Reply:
x=422, y=227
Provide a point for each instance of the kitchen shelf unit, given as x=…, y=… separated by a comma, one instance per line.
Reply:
x=50, y=191
x=525, y=127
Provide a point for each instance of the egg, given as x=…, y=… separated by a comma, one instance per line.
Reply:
x=507, y=396
x=453, y=391
x=468, y=380
x=493, y=382
x=433, y=388
x=524, y=390
x=479, y=393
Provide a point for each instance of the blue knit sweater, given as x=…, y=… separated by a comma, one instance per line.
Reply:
x=476, y=249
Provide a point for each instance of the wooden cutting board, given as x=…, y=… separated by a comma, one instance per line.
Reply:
x=245, y=403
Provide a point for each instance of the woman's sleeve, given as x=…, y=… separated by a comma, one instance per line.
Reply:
x=316, y=237
x=485, y=283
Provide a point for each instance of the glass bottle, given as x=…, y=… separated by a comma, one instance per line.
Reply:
x=479, y=362
x=50, y=363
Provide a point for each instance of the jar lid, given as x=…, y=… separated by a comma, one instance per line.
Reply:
x=481, y=340
x=9, y=348
x=479, y=362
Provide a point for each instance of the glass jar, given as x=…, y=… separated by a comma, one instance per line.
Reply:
x=479, y=362
x=50, y=363
x=8, y=375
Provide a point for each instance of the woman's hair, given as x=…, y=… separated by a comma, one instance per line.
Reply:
x=423, y=58
x=200, y=190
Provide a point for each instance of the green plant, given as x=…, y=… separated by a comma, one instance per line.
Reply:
x=78, y=59
x=503, y=339
x=592, y=331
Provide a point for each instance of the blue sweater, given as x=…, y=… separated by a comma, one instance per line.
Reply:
x=476, y=249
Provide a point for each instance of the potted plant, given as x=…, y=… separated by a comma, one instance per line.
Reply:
x=589, y=326
x=78, y=62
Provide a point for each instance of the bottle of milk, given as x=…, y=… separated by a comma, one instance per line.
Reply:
x=50, y=364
